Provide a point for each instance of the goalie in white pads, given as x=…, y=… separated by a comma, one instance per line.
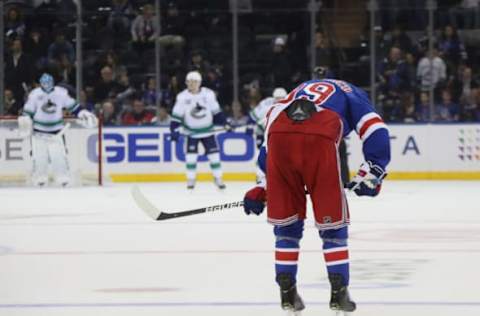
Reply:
x=43, y=115
x=197, y=111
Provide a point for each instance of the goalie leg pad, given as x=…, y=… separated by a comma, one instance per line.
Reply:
x=59, y=160
x=40, y=159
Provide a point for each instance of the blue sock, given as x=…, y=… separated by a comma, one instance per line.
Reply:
x=287, y=247
x=335, y=252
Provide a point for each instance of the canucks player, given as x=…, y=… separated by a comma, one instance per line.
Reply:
x=301, y=152
x=257, y=117
x=197, y=111
x=43, y=112
x=259, y=113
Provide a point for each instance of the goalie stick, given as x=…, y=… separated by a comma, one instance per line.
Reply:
x=153, y=212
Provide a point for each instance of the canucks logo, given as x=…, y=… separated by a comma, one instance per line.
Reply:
x=198, y=111
x=49, y=107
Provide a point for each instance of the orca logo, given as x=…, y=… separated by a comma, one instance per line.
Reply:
x=198, y=111
x=49, y=107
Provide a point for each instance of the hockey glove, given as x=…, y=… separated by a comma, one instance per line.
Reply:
x=368, y=180
x=228, y=126
x=254, y=201
x=24, y=126
x=87, y=119
x=259, y=140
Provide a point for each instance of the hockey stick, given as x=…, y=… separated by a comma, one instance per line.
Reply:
x=153, y=212
x=63, y=130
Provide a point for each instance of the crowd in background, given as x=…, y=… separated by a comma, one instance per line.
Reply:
x=119, y=56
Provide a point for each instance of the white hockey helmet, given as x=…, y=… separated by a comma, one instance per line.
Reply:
x=279, y=93
x=194, y=76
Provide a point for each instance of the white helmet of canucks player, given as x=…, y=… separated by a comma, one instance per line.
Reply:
x=194, y=76
x=279, y=93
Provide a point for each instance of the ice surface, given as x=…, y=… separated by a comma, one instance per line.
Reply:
x=415, y=250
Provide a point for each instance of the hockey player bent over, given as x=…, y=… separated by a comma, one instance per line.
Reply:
x=196, y=110
x=301, y=153
x=44, y=112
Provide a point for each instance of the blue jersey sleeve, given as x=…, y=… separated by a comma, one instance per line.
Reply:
x=369, y=126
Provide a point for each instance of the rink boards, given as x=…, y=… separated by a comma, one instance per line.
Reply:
x=147, y=154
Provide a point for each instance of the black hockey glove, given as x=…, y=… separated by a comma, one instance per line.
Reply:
x=368, y=180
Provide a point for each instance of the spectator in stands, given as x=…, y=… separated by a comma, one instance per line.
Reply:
x=61, y=47
x=280, y=63
x=85, y=103
x=119, y=18
x=398, y=38
x=325, y=56
x=446, y=110
x=409, y=114
x=198, y=62
x=12, y=106
x=394, y=80
x=463, y=85
x=393, y=73
x=423, y=108
x=237, y=117
x=18, y=70
x=471, y=111
x=172, y=31
x=14, y=25
x=431, y=72
x=108, y=113
x=468, y=11
x=67, y=72
x=144, y=29
x=125, y=89
x=150, y=94
x=36, y=45
x=214, y=80
x=110, y=59
x=173, y=89
x=106, y=86
x=138, y=114
x=252, y=96
x=451, y=47
x=162, y=118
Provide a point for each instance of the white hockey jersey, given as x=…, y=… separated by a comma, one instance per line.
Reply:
x=259, y=113
x=195, y=112
x=46, y=109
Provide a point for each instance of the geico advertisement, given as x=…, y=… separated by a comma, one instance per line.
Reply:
x=425, y=148
x=452, y=147
x=150, y=149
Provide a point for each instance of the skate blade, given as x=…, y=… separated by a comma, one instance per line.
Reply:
x=341, y=313
x=293, y=313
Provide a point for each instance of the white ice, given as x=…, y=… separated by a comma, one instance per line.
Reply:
x=415, y=250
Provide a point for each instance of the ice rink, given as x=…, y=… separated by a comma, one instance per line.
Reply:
x=415, y=250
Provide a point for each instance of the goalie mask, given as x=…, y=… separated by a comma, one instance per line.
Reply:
x=46, y=83
x=300, y=110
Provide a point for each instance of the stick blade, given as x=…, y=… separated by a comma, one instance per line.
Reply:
x=144, y=204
